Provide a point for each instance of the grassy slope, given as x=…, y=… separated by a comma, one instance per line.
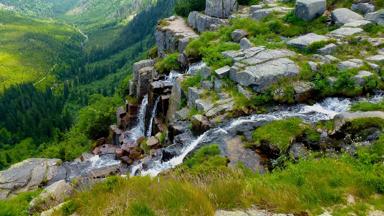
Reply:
x=29, y=48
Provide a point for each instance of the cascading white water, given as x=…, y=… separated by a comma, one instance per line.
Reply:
x=139, y=130
x=325, y=110
x=194, y=68
x=153, y=115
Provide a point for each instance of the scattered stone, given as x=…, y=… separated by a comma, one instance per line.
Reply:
x=52, y=196
x=327, y=49
x=303, y=90
x=357, y=24
x=182, y=114
x=342, y=16
x=314, y=66
x=361, y=77
x=350, y=64
x=200, y=123
x=28, y=175
x=303, y=42
x=202, y=22
x=193, y=95
x=223, y=72
x=225, y=105
x=245, y=43
x=377, y=17
x=220, y=8
x=153, y=142
x=376, y=58
x=238, y=34
x=310, y=9
x=345, y=31
x=363, y=7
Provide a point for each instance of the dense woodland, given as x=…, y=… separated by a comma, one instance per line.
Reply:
x=61, y=120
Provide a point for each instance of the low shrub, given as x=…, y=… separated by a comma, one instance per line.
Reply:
x=168, y=64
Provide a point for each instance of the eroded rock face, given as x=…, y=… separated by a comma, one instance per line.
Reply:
x=220, y=8
x=173, y=36
x=202, y=22
x=28, y=175
x=310, y=9
x=342, y=16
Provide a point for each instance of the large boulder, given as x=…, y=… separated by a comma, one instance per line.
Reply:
x=310, y=9
x=342, y=16
x=377, y=17
x=305, y=41
x=363, y=8
x=220, y=8
x=238, y=34
x=202, y=22
x=173, y=35
x=52, y=196
x=28, y=175
x=261, y=76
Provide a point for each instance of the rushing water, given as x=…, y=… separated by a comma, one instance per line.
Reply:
x=325, y=110
x=139, y=130
x=153, y=115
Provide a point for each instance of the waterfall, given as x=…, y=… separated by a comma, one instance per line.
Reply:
x=153, y=115
x=325, y=110
x=139, y=130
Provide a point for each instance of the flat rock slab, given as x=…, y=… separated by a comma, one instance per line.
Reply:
x=262, y=75
x=345, y=31
x=305, y=41
x=342, y=16
x=376, y=58
x=357, y=24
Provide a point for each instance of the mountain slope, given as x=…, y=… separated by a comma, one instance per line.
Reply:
x=30, y=48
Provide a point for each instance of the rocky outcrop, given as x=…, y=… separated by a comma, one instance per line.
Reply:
x=342, y=118
x=220, y=8
x=175, y=99
x=342, y=16
x=202, y=22
x=28, y=175
x=173, y=35
x=310, y=9
x=363, y=7
x=52, y=196
x=143, y=74
x=259, y=67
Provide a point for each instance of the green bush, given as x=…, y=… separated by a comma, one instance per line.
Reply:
x=191, y=81
x=18, y=205
x=168, y=64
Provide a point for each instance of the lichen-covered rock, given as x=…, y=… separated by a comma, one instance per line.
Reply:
x=342, y=16
x=377, y=17
x=304, y=41
x=52, y=196
x=310, y=9
x=173, y=36
x=202, y=22
x=303, y=90
x=28, y=175
x=223, y=72
x=220, y=8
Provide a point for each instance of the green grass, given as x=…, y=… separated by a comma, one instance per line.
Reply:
x=168, y=64
x=279, y=134
x=17, y=205
x=30, y=49
x=367, y=106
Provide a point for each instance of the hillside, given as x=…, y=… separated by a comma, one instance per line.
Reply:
x=30, y=48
